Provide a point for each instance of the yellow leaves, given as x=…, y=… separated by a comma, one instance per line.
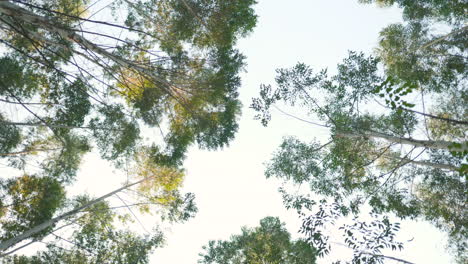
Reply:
x=132, y=84
x=159, y=178
x=75, y=8
x=388, y=159
x=443, y=130
x=3, y=210
x=25, y=189
x=21, y=186
x=160, y=182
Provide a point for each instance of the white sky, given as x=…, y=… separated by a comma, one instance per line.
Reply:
x=231, y=190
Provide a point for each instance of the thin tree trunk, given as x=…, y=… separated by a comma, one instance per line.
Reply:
x=26, y=151
x=432, y=164
x=459, y=122
x=426, y=163
x=71, y=35
x=389, y=257
x=27, y=234
x=52, y=26
x=52, y=125
x=41, y=124
x=443, y=37
x=433, y=144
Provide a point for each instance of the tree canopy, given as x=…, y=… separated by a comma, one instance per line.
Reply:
x=396, y=121
x=78, y=76
x=269, y=243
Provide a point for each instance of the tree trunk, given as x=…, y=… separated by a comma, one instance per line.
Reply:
x=40, y=124
x=433, y=144
x=12, y=241
x=27, y=151
x=54, y=125
x=428, y=164
x=449, y=120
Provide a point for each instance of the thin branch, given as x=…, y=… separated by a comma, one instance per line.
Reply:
x=459, y=122
x=84, y=19
x=300, y=119
x=131, y=211
x=443, y=37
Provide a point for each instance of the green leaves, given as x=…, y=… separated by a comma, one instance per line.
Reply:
x=448, y=11
x=70, y=82
x=72, y=104
x=114, y=126
x=29, y=201
x=10, y=136
x=16, y=79
x=365, y=238
x=268, y=243
x=374, y=107
x=393, y=92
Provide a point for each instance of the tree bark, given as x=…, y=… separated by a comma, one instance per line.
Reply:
x=53, y=125
x=41, y=124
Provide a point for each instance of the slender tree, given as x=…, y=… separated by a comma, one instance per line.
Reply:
x=79, y=75
x=159, y=188
x=396, y=121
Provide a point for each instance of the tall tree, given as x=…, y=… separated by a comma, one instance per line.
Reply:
x=269, y=243
x=79, y=75
x=111, y=82
x=95, y=239
x=33, y=203
x=398, y=136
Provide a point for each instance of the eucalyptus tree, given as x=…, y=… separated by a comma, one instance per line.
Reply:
x=168, y=65
x=95, y=239
x=140, y=81
x=268, y=243
x=32, y=201
x=396, y=121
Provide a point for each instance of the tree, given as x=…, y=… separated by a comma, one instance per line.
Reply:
x=389, y=146
x=81, y=75
x=158, y=187
x=452, y=11
x=28, y=201
x=187, y=90
x=367, y=239
x=269, y=243
x=95, y=239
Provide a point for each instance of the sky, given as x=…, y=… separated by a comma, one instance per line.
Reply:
x=229, y=184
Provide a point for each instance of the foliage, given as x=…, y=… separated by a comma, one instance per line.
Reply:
x=78, y=76
x=95, y=239
x=269, y=243
x=28, y=201
x=396, y=121
x=187, y=91
x=366, y=239
x=446, y=10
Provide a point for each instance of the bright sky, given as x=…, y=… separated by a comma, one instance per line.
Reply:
x=231, y=190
